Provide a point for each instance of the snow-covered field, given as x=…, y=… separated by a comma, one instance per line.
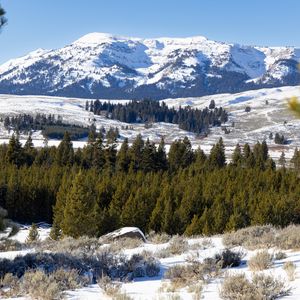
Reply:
x=269, y=113
x=151, y=288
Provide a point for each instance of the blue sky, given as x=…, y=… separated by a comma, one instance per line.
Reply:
x=51, y=24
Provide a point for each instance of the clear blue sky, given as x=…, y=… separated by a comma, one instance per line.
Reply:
x=52, y=24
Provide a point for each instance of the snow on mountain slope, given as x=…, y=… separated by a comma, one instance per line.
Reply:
x=101, y=65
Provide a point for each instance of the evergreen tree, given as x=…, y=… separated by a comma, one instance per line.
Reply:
x=29, y=151
x=161, y=156
x=65, y=152
x=98, y=153
x=194, y=228
x=217, y=157
x=136, y=152
x=14, y=154
x=79, y=217
x=237, y=157
x=295, y=161
x=33, y=235
x=123, y=158
x=148, y=157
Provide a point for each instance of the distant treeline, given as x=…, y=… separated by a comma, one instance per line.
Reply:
x=52, y=127
x=97, y=189
x=149, y=111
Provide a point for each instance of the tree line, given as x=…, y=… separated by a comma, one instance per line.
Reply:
x=97, y=189
x=149, y=111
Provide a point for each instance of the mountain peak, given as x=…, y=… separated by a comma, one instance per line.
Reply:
x=97, y=38
x=124, y=67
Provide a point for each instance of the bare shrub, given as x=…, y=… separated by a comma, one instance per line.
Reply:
x=177, y=246
x=39, y=286
x=108, y=286
x=152, y=268
x=205, y=243
x=50, y=262
x=288, y=238
x=280, y=255
x=237, y=287
x=158, y=238
x=253, y=237
x=229, y=258
x=260, y=261
x=122, y=296
x=196, y=290
x=262, y=287
x=68, y=279
x=9, y=286
x=10, y=245
x=186, y=275
x=268, y=287
x=125, y=243
x=290, y=269
x=267, y=236
x=81, y=247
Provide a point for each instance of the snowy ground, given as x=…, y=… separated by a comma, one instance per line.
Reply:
x=149, y=288
x=248, y=127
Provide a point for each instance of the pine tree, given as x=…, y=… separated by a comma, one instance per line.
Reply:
x=194, y=228
x=161, y=156
x=296, y=160
x=65, y=152
x=136, y=152
x=217, y=157
x=148, y=157
x=79, y=218
x=29, y=151
x=14, y=154
x=33, y=235
x=282, y=160
x=98, y=153
x=237, y=157
x=60, y=204
x=123, y=158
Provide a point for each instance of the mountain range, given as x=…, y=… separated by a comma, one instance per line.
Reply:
x=101, y=65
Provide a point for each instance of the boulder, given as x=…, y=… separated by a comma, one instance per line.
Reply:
x=124, y=232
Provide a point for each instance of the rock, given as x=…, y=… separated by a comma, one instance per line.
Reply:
x=124, y=232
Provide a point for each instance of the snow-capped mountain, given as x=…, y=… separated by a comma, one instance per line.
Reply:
x=105, y=66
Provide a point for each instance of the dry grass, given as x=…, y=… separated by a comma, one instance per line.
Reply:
x=120, y=245
x=110, y=287
x=177, y=246
x=188, y=275
x=10, y=245
x=237, y=287
x=203, y=244
x=158, y=238
x=258, y=237
x=254, y=237
x=290, y=269
x=39, y=285
x=262, y=260
x=261, y=287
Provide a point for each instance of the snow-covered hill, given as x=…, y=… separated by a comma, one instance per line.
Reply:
x=105, y=66
x=269, y=114
x=189, y=251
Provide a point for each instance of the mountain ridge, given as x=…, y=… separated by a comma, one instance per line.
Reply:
x=101, y=65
